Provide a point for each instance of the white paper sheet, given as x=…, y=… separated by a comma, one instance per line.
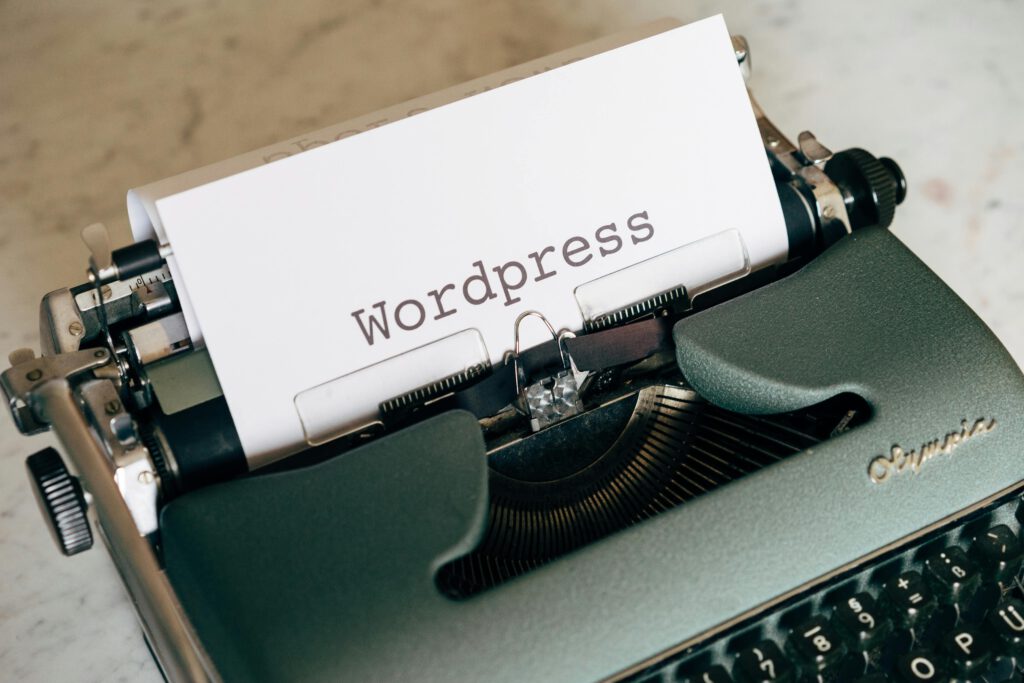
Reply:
x=147, y=223
x=285, y=264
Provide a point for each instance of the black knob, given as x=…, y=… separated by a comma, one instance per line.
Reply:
x=897, y=173
x=60, y=498
x=872, y=187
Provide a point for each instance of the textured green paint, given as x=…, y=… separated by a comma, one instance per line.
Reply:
x=325, y=573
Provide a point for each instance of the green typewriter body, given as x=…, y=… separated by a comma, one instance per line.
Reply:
x=328, y=573
x=813, y=473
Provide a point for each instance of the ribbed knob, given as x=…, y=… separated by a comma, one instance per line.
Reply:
x=61, y=500
x=873, y=187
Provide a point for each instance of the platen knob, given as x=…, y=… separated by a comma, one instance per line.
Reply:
x=872, y=187
x=61, y=500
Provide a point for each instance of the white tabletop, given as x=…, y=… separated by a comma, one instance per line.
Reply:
x=100, y=97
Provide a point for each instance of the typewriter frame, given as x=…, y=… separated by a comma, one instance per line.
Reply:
x=75, y=391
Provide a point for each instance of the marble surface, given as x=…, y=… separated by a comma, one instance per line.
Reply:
x=96, y=97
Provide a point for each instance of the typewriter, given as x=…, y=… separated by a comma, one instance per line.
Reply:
x=812, y=473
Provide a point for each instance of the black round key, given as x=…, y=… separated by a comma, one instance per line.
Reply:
x=998, y=553
x=985, y=598
x=910, y=601
x=816, y=645
x=762, y=663
x=952, y=575
x=920, y=665
x=714, y=674
x=969, y=650
x=893, y=647
x=1003, y=669
x=939, y=624
x=860, y=620
x=1007, y=623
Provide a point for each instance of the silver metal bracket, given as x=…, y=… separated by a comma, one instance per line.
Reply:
x=101, y=443
x=27, y=373
x=133, y=470
x=554, y=398
x=61, y=327
x=806, y=162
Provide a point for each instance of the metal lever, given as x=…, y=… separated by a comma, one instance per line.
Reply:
x=101, y=256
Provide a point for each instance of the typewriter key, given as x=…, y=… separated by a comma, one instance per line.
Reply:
x=1007, y=622
x=816, y=645
x=921, y=665
x=969, y=650
x=998, y=553
x=860, y=620
x=762, y=663
x=910, y=600
x=952, y=575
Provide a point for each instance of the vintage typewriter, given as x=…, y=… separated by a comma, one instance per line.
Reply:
x=810, y=474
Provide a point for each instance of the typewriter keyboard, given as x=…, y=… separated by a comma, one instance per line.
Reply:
x=949, y=607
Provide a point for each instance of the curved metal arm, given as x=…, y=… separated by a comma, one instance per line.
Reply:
x=163, y=620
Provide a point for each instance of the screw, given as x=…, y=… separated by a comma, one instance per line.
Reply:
x=76, y=329
x=33, y=375
x=99, y=353
x=828, y=212
x=105, y=291
x=146, y=477
x=773, y=141
x=112, y=408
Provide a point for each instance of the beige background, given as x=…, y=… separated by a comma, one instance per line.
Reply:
x=97, y=97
